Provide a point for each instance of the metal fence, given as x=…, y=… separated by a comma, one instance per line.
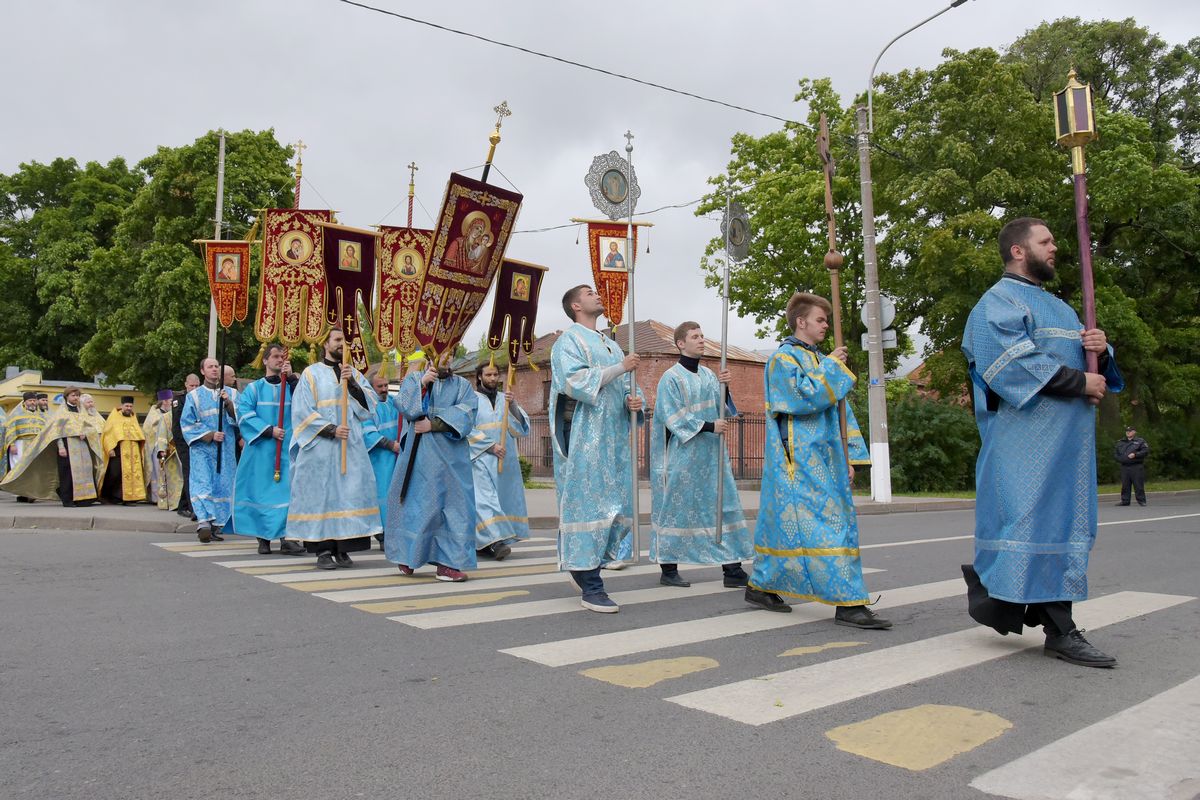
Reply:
x=745, y=439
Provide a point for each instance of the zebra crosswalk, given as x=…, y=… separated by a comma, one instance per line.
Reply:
x=677, y=638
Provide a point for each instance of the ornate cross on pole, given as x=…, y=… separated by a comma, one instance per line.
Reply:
x=300, y=148
x=412, y=188
x=501, y=112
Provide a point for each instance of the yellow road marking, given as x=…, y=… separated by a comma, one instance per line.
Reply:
x=919, y=738
x=400, y=580
x=423, y=603
x=274, y=570
x=648, y=673
x=817, y=648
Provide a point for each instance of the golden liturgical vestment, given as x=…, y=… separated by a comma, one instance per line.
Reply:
x=124, y=435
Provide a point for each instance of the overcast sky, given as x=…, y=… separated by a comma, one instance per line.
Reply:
x=94, y=79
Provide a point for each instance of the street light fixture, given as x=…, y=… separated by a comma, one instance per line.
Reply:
x=881, y=474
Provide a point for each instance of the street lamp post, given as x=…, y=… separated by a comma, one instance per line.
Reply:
x=881, y=474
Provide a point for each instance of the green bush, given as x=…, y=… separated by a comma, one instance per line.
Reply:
x=933, y=445
x=526, y=469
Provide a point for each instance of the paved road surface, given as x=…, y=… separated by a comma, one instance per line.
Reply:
x=140, y=665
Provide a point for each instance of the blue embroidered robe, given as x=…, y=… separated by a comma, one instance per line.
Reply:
x=684, y=464
x=436, y=522
x=210, y=491
x=260, y=503
x=500, y=511
x=1035, y=505
x=591, y=454
x=325, y=504
x=806, y=537
x=384, y=426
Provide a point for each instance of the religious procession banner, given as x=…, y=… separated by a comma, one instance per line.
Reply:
x=292, y=289
x=403, y=253
x=606, y=242
x=228, y=266
x=472, y=232
x=349, y=256
x=516, y=304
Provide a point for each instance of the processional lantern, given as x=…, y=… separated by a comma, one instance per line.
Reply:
x=1075, y=126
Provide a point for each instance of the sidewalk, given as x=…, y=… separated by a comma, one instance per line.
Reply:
x=50, y=515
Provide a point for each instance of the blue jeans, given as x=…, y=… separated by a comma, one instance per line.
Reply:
x=589, y=580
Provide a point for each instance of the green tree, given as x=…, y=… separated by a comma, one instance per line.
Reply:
x=52, y=217
x=148, y=291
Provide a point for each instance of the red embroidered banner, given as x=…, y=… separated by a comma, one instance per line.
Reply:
x=606, y=242
x=468, y=245
x=403, y=253
x=349, y=256
x=291, y=295
x=228, y=267
x=516, y=303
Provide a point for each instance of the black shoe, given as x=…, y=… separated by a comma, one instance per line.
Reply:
x=289, y=548
x=860, y=617
x=1141, y=502
x=264, y=547
x=204, y=535
x=1074, y=649
x=183, y=512
x=501, y=551
x=1121, y=504
x=673, y=579
x=325, y=561
x=216, y=534
x=735, y=578
x=342, y=560
x=23, y=499
x=768, y=600
x=379, y=538
x=71, y=503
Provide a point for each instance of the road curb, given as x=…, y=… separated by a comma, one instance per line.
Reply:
x=139, y=524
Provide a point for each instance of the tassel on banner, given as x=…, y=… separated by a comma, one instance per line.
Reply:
x=253, y=232
x=385, y=367
x=312, y=354
x=257, y=363
x=492, y=358
x=533, y=366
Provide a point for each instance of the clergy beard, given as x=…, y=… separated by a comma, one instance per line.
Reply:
x=443, y=373
x=125, y=413
x=1039, y=268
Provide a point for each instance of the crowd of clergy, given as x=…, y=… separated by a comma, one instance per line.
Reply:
x=325, y=460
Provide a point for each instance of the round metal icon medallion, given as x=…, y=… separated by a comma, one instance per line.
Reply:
x=612, y=183
x=735, y=228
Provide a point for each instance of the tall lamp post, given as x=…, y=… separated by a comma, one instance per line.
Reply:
x=881, y=474
x=1075, y=126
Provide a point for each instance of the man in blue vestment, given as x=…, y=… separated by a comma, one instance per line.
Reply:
x=1035, y=505
x=500, y=509
x=431, y=520
x=381, y=434
x=589, y=409
x=260, y=492
x=687, y=457
x=806, y=538
x=333, y=510
x=208, y=417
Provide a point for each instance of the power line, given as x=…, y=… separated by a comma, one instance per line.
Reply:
x=571, y=63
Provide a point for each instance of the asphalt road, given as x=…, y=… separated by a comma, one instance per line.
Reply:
x=134, y=665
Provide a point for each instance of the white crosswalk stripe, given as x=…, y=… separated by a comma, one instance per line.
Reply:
x=351, y=574
x=1159, y=760
x=771, y=698
x=657, y=637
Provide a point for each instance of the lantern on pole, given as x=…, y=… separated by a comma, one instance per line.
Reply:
x=1075, y=126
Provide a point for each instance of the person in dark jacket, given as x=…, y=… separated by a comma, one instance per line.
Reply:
x=1131, y=453
x=181, y=446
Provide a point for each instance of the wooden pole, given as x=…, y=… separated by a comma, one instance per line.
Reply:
x=508, y=382
x=279, y=424
x=345, y=383
x=833, y=263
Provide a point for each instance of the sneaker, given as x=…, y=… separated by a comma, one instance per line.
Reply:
x=614, y=565
x=343, y=560
x=204, y=535
x=860, y=617
x=325, y=561
x=405, y=570
x=1074, y=649
x=600, y=602
x=450, y=574
x=768, y=600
